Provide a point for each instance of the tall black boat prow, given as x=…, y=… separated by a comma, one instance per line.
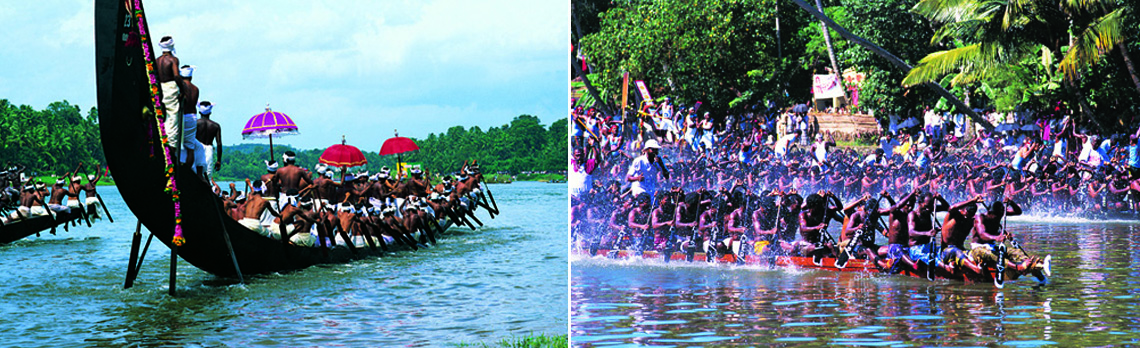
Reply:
x=130, y=138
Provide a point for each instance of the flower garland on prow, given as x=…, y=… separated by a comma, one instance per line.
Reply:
x=159, y=115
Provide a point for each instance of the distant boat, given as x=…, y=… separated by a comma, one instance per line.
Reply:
x=20, y=229
x=134, y=153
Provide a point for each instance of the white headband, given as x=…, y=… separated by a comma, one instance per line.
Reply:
x=187, y=71
x=76, y=178
x=329, y=174
x=90, y=177
x=205, y=109
x=287, y=157
x=271, y=167
x=167, y=45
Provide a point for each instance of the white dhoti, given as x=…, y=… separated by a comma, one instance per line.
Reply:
x=275, y=231
x=255, y=225
x=171, y=99
x=190, y=141
x=20, y=213
x=38, y=210
x=56, y=208
x=73, y=204
x=208, y=159
x=303, y=239
x=93, y=203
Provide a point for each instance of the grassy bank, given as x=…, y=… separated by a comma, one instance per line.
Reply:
x=532, y=341
x=541, y=177
x=50, y=180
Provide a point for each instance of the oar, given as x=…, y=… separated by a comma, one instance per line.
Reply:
x=367, y=236
x=97, y=196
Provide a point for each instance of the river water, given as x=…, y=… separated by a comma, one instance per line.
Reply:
x=1093, y=299
x=507, y=279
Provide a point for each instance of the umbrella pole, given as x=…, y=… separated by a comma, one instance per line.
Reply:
x=399, y=172
x=270, y=146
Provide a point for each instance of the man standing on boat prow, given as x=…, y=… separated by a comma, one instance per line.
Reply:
x=209, y=132
x=192, y=151
x=292, y=178
x=171, y=83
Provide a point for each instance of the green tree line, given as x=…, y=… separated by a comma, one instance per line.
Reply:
x=58, y=138
x=51, y=141
x=521, y=145
x=1005, y=55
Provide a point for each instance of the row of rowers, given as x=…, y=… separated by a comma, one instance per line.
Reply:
x=313, y=208
x=25, y=198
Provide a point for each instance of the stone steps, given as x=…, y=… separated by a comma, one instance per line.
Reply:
x=836, y=123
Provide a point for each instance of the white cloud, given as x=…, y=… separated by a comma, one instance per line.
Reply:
x=359, y=66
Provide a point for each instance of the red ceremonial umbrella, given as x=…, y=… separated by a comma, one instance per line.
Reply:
x=343, y=156
x=267, y=124
x=396, y=146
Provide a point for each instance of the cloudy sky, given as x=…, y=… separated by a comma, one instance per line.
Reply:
x=357, y=68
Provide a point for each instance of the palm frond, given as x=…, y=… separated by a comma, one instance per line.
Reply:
x=940, y=63
x=944, y=11
x=1090, y=44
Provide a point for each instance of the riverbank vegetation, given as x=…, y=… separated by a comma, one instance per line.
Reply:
x=522, y=145
x=51, y=141
x=1075, y=58
x=57, y=139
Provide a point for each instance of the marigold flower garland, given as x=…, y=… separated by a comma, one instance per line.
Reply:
x=159, y=113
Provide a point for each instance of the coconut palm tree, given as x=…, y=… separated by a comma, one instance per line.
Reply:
x=870, y=46
x=989, y=36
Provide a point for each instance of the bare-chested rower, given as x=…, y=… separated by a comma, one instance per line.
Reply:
x=292, y=178
x=898, y=233
x=91, y=196
x=955, y=229
x=272, y=184
x=255, y=209
x=302, y=219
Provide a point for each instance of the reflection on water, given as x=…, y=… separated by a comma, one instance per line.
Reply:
x=1093, y=299
x=475, y=286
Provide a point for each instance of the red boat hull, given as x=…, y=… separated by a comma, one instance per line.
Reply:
x=826, y=264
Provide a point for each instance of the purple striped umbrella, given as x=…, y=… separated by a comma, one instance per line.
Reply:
x=268, y=123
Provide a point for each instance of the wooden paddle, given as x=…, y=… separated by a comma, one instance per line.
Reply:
x=104, y=205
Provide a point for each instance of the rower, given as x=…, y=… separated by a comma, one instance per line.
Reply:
x=73, y=188
x=898, y=236
x=56, y=201
x=292, y=178
x=813, y=227
x=299, y=223
x=259, y=212
x=91, y=197
x=857, y=238
x=661, y=221
x=639, y=223
x=921, y=231
x=326, y=188
x=271, y=185
x=956, y=228
x=988, y=243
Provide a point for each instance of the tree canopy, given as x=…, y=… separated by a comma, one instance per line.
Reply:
x=522, y=145
x=49, y=141
x=1001, y=54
